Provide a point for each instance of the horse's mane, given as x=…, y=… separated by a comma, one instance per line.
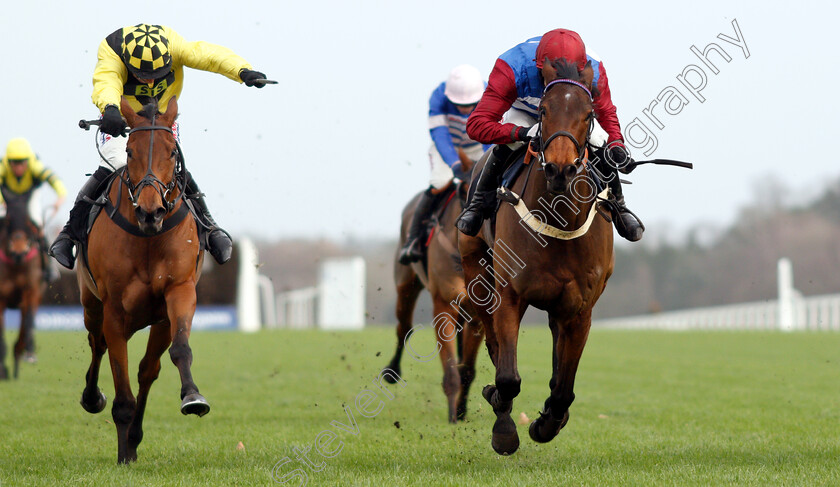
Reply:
x=568, y=70
x=149, y=110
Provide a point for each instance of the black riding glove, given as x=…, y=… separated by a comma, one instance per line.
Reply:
x=619, y=158
x=112, y=122
x=249, y=77
x=520, y=133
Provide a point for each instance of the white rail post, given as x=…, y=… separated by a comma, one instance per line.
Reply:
x=247, y=288
x=786, y=295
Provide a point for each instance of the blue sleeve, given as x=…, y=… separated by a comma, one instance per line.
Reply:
x=439, y=126
x=444, y=145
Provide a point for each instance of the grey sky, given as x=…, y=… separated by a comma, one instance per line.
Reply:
x=339, y=146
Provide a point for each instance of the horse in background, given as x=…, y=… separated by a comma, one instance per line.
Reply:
x=458, y=336
x=140, y=270
x=21, y=277
x=566, y=257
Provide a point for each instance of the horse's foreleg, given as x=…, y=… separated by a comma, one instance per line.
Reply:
x=570, y=338
x=124, y=405
x=27, y=323
x=472, y=334
x=180, y=306
x=408, y=289
x=93, y=400
x=159, y=338
x=506, y=328
x=446, y=332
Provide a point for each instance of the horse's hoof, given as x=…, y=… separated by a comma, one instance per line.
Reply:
x=195, y=404
x=505, y=439
x=96, y=408
x=388, y=377
x=544, y=429
x=461, y=412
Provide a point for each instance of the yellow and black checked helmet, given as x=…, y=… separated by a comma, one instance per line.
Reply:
x=146, y=51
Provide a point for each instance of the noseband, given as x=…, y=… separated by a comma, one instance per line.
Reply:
x=150, y=179
x=579, y=147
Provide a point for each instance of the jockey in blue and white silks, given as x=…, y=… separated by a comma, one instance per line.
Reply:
x=450, y=105
x=448, y=128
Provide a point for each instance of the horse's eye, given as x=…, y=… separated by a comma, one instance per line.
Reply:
x=174, y=153
x=129, y=152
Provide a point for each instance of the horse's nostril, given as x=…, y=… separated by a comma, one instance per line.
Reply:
x=570, y=170
x=159, y=213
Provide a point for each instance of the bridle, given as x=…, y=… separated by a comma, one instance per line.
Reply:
x=579, y=147
x=149, y=179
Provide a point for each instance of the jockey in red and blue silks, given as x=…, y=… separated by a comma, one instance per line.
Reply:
x=449, y=107
x=507, y=116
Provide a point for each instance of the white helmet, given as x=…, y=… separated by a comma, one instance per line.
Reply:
x=464, y=85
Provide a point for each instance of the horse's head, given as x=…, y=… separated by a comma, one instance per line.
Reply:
x=566, y=118
x=19, y=237
x=152, y=163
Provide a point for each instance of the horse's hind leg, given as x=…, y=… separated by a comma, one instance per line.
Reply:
x=408, y=289
x=159, y=339
x=446, y=331
x=569, y=340
x=472, y=334
x=180, y=306
x=93, y=400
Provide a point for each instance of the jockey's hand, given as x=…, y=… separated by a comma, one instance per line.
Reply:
x=521, y=133
x=619, y=157
x=112, y=122
x=249, y=77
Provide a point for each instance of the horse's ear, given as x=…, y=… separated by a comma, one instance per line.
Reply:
x=171, y=111
x=127, y=112
x=587, y=75
x=549, y=72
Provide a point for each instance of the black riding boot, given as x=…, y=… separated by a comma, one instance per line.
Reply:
x=480, y=206
x=626, y=223
x=219, y=243
x=62, y=248
x=413, y=250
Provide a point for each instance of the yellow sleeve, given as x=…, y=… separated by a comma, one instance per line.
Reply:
x=109, y=77
x=45, y=174
x=205, y=56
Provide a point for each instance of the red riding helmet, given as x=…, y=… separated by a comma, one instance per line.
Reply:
x=563, y=43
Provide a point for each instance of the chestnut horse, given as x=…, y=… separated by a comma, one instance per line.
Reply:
x=21, y=282
x=141, y=268
x=455, y=330
x=564, y=277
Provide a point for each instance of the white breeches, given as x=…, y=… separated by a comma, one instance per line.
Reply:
x=441, y=173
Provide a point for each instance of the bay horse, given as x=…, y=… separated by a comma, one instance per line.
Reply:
x=455, y=331
x=563, y=276
x=141, y=267
x=21, y=281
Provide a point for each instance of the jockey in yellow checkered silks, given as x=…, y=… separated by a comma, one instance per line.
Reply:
x=144, y=62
